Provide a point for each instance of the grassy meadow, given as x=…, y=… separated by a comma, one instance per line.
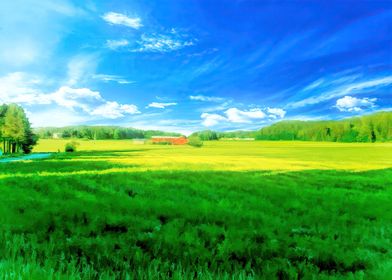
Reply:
x=228, y=210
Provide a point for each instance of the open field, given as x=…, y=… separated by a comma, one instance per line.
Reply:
x=234, y=155
x=228, y=210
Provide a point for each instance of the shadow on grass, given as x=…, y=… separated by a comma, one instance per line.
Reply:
x=98, y=154
x=54, y=166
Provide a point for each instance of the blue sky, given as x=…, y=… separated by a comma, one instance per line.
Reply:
x=191, y=65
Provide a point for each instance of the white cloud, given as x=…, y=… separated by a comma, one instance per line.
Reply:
x=353, y=104
x=237, y=116
x=212, y=119
x=206, y=98
x=343, y=90
x=121, y=19
x=161, y=43
x=73, y=98
x=25, y=89
x=112, y=78
x=276, y=112
x=113, y=110
x=19, y=87
x=116, y=44
x=160, y=105
x=90, y=102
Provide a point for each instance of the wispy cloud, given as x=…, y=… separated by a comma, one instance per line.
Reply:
x=218, y=107
x=353, y=104
x=206, y=98
x=116, y=44
x=31, y=31
x=314, y=85
x=121, y=19
x=203, y=53
x=160, y=105
x=112, y=78
x=162, y=43
x=81, y=68
x=343, y=90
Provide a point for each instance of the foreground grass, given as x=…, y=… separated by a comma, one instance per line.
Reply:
x=119, y=215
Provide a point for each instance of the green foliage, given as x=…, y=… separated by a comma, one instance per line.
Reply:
x=100, y=132
x=15, y=130
x=71, y=147
x=371, y=128
x=162, y=143
x=239, y=134
x=209, y=135
x=205, y=135
x=184, y=224
x=195, y=141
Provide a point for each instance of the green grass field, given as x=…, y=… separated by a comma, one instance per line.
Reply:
x=228, y=210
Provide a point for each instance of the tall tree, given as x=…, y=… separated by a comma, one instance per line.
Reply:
x=15, y=129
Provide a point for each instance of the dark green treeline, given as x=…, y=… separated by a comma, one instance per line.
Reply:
x=370, y=128
x=99, y=132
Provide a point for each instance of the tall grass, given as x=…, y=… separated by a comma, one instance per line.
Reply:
x=116, y=215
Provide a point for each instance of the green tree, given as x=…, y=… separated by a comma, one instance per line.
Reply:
x=15, y=129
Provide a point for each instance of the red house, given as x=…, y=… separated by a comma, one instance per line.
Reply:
x=173, y=140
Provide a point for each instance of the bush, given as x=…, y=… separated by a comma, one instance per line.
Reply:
x=162, y=143
x=71, y=147
x=195, y=141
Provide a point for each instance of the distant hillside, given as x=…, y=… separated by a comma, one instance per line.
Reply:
x=370, y=128
x=98, y=132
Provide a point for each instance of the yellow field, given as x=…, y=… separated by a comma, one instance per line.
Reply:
x=232, y=155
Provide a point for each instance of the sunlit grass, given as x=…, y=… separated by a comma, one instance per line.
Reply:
x=236, y=155
x=228, y=210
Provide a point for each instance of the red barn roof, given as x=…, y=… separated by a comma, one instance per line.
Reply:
x=174, y=140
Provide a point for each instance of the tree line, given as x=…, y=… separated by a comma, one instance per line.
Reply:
x=16, y=134
x=99, y=133
x=210, y=135
x=370, y=128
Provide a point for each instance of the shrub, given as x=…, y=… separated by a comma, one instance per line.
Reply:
x=195, y=141
x=162, y=143
x=71, y=147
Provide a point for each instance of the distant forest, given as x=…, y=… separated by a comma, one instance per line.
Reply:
x=208, y=135
x=370, y=128
x=99, y=132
